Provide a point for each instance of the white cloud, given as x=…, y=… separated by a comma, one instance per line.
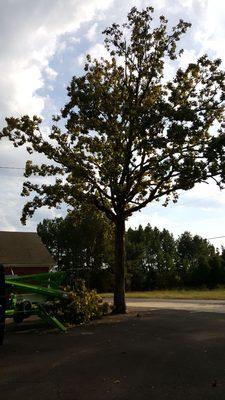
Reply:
x=96, y=51
x=51, y=73
x=186, y=3
x=207, y=196
x=91, y=33
x=29, y=35
x=210, y=33
x=188, y=56
x=147, y=217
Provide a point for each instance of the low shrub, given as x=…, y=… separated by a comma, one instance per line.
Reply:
x=82, y=305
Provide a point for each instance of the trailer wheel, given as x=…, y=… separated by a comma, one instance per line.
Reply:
x=2, y=303
x=17, y=318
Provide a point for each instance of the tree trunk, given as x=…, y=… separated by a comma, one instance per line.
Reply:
x=119, y=288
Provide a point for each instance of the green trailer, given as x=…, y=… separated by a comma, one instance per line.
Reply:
x=23, y=296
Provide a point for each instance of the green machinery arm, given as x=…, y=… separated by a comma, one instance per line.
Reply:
x=52, y=279
x=30, y=287
x=45, y=284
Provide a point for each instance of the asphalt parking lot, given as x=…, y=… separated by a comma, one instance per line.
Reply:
x=150, y=354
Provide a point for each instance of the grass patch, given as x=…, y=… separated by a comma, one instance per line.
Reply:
x=200, y=294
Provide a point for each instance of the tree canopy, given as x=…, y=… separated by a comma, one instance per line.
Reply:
x=80, y=242
x=130, y=137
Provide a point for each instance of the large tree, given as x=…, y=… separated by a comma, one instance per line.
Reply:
x=79, y=243
x=199, y=263
x=130, y=137
x=151, y=259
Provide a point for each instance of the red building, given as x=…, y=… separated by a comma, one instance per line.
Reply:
x=23, y=253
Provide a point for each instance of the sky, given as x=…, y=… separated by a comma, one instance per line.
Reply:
x=43, y=44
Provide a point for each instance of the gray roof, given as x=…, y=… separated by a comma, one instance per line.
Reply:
x=23, y=249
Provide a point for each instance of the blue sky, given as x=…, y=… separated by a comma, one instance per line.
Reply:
x=43, y=44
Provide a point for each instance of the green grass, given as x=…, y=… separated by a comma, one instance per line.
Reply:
x=215, y=294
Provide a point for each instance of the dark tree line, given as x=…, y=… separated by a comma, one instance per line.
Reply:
x=155, y=260
x=82, y=244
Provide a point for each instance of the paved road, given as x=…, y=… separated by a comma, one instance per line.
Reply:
x=217, y=306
